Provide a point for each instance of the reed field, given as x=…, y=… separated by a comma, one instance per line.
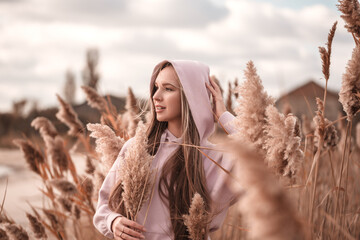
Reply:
x=296, y=178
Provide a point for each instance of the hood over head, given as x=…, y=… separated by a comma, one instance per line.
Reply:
x=192, y=76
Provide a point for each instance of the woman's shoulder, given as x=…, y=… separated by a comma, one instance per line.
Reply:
x=123, y=150
x=126, y=145
x=128, y=142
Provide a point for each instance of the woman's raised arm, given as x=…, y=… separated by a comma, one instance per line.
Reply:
x=224, y=117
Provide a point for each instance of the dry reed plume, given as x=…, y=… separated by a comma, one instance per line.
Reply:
x=90, y=168
x=53, y=219
x=322, y=130
x=326, y=53
x=108, y=145
x=94, y=99
x=197, y=219
x=16, y=232
x=129, y=119
x=263, y=202
x=131, y=102
x=65, y=203
x=57, y=153
x=76, y=212
x=87, y=185
x=351, y=14
x=90, y=72
x=252, y=102
x=51, y=138
x=36, y=226
x=45, y=127
x=283, y=142
x=136, y=173
x=66, y=187
x=32, y=156
x=67, y=115
x=349, y=93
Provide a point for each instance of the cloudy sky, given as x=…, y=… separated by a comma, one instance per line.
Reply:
x=41, y=39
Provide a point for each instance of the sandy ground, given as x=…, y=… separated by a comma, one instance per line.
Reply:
x=23, y=184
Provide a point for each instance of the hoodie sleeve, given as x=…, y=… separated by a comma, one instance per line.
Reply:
x=226, y=120
x=103, y=216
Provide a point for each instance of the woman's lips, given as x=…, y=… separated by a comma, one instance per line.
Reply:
x=159, y=108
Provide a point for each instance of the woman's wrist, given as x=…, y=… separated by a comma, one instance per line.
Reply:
x=111, y=220
x=222, y=116
x=112, y=224
x=221, y=112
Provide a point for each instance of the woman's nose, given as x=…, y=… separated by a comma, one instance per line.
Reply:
x=157, y=96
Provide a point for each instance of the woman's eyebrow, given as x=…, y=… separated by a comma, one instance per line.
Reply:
x=166, y=84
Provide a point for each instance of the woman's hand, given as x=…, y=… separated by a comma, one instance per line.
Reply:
x=124, y=228
x=218, y=102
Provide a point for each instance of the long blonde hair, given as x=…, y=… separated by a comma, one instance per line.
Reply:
x=182, y=174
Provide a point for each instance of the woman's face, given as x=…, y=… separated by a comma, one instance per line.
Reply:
x=167, y=96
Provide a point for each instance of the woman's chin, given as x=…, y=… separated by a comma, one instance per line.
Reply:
x=161, y=119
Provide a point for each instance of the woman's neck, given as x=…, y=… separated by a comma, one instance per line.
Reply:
x=175, y=128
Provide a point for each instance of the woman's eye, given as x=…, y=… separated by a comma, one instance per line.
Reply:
x=168, y=89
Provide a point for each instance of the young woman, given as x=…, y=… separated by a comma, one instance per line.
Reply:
x=182, y=113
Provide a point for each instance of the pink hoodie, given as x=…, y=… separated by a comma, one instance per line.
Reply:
x=193, y=76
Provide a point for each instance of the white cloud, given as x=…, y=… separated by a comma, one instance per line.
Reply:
x=125, y=13
x=281, y=41
x=39, y=43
